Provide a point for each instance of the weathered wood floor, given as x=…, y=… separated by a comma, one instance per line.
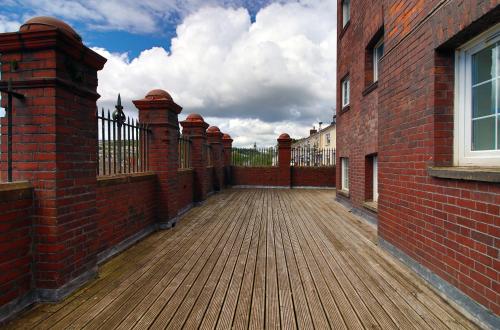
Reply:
x=254, y=258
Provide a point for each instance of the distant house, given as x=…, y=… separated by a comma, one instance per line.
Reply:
x=320, y=139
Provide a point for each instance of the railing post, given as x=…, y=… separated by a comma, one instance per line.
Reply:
x=284, y=158
x=54, y=147
x=160, y=113
x=227, y=144
x=214, y=137
x=195, y=127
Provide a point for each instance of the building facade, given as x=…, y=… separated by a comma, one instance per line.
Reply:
x=418, y=137
x=323, y=138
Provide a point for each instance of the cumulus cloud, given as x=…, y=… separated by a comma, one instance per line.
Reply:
x=275, y=74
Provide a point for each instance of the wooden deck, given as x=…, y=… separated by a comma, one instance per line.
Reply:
x=254, y=258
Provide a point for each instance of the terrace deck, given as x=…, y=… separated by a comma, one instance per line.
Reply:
x=255, y=258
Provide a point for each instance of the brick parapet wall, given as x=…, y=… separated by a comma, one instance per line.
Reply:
x=126, y=206
x=185, y=189
x=313, y=176
x=270, y=176
x=16, y=239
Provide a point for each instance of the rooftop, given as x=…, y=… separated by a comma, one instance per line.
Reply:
x=255, y=258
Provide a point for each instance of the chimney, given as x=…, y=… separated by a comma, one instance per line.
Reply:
x=313, y=131
x=320, y=123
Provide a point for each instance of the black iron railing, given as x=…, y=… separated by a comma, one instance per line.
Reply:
x=207, y=150
x=184, y=152
x=310, y=156
x=123, y=145
x=9, y=115
x=254, y=156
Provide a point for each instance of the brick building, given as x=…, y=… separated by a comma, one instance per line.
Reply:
x=418, y=137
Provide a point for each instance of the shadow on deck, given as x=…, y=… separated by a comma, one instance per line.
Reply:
x=255, y=258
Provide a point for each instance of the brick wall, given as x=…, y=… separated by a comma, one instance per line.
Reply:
x=16, y=208
x=313, y=176
x=185, y=188
x=210, y=178
x=125, y=207
x=357, y=124
x=254, y=176
x=450, y=226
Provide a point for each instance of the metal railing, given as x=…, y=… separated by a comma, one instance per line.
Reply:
x=184, y=152
x=8, y=115
x=312, y=157
x=207, y=150
x=254, y=157
x=123, y=146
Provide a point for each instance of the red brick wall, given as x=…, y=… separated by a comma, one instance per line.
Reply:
x=126, y=205
x=255, y=176
x=210, y=178
x=16, y=206
x=185, y=188
x=313, y=176
x=449, y=226
x=357, y=124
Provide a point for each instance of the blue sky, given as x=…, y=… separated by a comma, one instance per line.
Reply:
x=255, y=68
x=120, y=39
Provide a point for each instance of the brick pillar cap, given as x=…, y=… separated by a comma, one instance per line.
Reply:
x=43, y=23
x=227, y=137
x=158, y=99
x=194, y=120
x=284, y=136
x=158, y=94
x=194, y=117
x=213, y=129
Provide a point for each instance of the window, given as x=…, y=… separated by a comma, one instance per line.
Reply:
x=378, y=51
x=346, y=86
x=375, y=178
x=346, y=12
x=477, y=102
x=328, y=139
x=345, y=174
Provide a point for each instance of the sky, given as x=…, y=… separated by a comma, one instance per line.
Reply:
x=254, y=68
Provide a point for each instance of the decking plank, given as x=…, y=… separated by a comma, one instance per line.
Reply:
x=255, y=258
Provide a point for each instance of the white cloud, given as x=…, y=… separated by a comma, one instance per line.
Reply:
x=8, y=24
x=275, y=74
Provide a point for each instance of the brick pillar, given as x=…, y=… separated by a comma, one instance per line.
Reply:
x=214, y=137
x=284, y=157
x=159, y=112
x=227, y=144
x=195, y=127
x=55, y=147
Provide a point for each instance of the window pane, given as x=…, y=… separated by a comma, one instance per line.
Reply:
x=483, y=134
x=483, y=100
x=483, y=65
x=498, y=95
x=380, y=51
x=498, y=132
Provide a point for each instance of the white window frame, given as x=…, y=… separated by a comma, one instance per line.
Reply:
x=328, y=138
x=346, y=12
x=463, y=153
x=346, y=91
x=376, y=59
x=375, y=178
x=345, y=174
